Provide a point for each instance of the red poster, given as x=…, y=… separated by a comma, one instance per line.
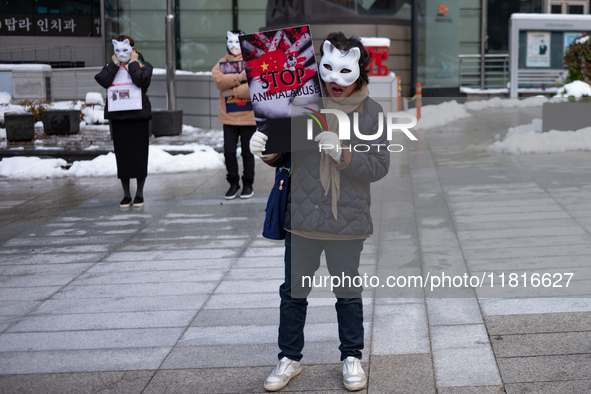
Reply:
x=282, y=73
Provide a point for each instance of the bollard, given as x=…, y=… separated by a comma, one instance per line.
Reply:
x=399, y=94
x=419, y=100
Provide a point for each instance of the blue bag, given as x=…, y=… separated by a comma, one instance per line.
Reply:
x=274, y=227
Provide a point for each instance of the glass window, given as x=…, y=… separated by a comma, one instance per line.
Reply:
x=557, y=9
x=499, y=13
x=201, y=28
x=576, y=9
x=16, y=6
x=95, y=7
x=379, y=8
x=67, y=7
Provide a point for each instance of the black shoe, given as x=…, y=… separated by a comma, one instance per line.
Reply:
x=232, y=192
x=247, y=191
x=125, y=203
x=138, y=202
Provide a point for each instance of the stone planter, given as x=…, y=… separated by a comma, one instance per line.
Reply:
x=566, y=116
x=19, y=127
x=61, y=121
x=165, y=122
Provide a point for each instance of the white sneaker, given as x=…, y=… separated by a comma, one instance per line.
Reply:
x=285, y=370
x=353, y=375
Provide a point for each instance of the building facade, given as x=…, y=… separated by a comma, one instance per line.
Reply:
x=67, y=33
x=62, y=33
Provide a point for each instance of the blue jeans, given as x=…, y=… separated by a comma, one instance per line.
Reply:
x=342, y=258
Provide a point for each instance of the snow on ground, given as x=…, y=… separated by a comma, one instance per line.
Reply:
x=450, y=111
x=10, y=108
x=497, y=102
x=162, y=71
x=32, y=168
x=577, y=89
x=468, y=90
x=521, y=139
x=440, y=114
x=5, y=98
x=529, y=138
x=159, y=162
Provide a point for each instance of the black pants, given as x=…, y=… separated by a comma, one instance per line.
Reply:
x=231, y=134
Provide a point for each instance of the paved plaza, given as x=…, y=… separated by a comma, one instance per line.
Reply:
x=181, y=296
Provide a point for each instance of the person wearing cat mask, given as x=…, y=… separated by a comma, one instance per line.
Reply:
x=130, y=128
x=238, y=123
x=328, y=211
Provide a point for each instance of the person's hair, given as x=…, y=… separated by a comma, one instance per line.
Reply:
x=122, y=38
x=340, y=41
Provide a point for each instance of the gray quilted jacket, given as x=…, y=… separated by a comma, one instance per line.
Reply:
x=310, y=210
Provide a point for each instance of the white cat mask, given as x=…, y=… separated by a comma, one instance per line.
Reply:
x=233, y=43
x=123, y=50
x=334, y=62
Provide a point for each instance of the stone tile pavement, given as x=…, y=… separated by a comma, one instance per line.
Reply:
x=181, y=296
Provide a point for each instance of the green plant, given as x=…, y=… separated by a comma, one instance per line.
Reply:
x=36, y=107
x=578, y=61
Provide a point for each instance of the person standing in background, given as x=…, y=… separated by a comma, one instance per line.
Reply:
x=238, y=119
x=129, y=112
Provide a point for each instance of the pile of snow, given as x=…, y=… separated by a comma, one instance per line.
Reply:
x=203, y=157
x=162, y=71
x=529, y=138
x=577, y=89
x=440, y=114
x=188, y=129
x=450, y=111
x=497, y=102
x=25, y=67
x=5, y=98
x=32, y=168
x=159, y=162
x=467, y=90
x=11, y=108
x=94, y=98
x=92, y=114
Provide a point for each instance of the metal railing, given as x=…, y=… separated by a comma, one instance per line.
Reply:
x=539, y=80
x=57, y=56
x=496, y=75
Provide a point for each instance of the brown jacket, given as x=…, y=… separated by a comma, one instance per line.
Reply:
x=231, y=81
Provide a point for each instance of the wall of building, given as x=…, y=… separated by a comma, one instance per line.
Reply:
x=48, y=37
x=86, y=50
x=399, y=55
